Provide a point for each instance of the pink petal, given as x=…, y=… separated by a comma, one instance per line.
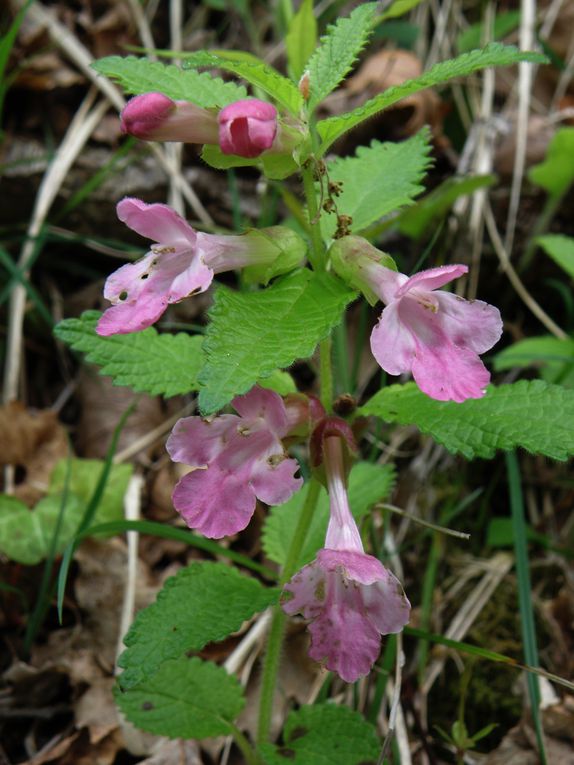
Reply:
x=447, y=373
x=214, y=502
x=386, y=604
x=360, y=567
x=248, y=107
x=128, y=279
x=265, y=404
x=384, y=281
x=273, y=479
x=392, y=343
x=144, y=115
x=432, y=279
x=197, y=442
x=157, y=222
x=470, y=324
x=247, y=128
x=344, y=639
x=195, y=279
x=130, y=317
x=307, y=590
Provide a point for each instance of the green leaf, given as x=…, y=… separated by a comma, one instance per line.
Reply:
x=396, y=9
x=146, y=361
x=26, y=535
x=378, y=180
x=185, y=698
x=82, y=481
x=279, y=381
x=253, y=70
x=325, y=734
x=561, y=249
x=504, y=23
x=500, y=533
x=368, y=484
x=252, y=334
x=140, y=75
x=494, y=54
x=555, y=357
x=556, y=173
x=301, y=39
x=531, y=414
x=339, y=48
x=275, y=166
x=203, y=603
x=416, y=220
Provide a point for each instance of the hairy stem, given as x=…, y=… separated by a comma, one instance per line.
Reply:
x=275, y=639
x=317, y=253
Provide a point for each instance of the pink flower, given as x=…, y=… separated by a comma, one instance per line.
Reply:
x=155, y=117
x=182, y=262
x=435, y=335
x=237, y=459
x=350, y=598
x=247, y=128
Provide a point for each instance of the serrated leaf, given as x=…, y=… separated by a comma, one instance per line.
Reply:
x=252, y=334
x=81, y=478
x=26, y=535
x=368, y=484
x=555, y=174
x=555, y=357
x=561, y=249
x=379, y=179
x=338, y=50
x=140, y=75
x=416, y=220
x=253, y=70
x=532, y=414
x=274, y=166
x=146, y=361
x=494, y=54
x=301, y=39
x=203, y=603
x=325, y=734
x=185, y=698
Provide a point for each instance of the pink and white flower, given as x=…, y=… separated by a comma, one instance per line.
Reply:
x=350, y=598
x=437, y=336
x=236, y=459
x=247, y=128
x=181, y=263
x=155, y=117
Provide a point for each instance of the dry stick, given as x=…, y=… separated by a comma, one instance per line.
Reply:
x=421, y=522
x=76, y=136
x=514, y=279
x=395, y=705
x=154, y=435
x=525, y=76
x=82, y=58
x=565, y=77
x=174, y=150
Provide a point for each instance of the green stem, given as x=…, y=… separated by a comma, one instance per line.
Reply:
x=249, y=756
x=326, y=374
x=317, y=254
x=275, y=639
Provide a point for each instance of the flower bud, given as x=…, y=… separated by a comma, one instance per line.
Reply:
x=155, y=117
x=247, y=128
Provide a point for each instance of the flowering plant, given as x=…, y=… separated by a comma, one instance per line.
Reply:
x=296, y=453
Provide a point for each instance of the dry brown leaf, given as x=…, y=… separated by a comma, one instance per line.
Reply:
x=174, y=753
x=52, y=751
x=96, y=710
x=538, y=135
x=33, y=442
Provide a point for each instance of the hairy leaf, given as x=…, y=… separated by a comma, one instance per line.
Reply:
x=368, y=484
x=146, y=361
x=252, y=334
x=253, y=70
x=141, y=75
x=338, y=51
x=185, y=698
x=325, y=734
x=494, y=54
x=204, y=602
x=532, y=414
x=378, y=180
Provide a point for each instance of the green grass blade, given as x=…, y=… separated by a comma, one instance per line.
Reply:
x=527, y=625
x=181, y=535
x=18, y=275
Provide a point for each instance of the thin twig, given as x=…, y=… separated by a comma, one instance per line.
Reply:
x=427, y=524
